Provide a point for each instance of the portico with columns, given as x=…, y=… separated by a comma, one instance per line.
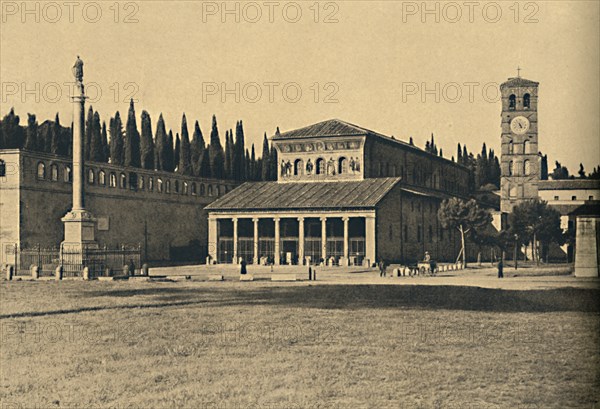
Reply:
x=293, y=238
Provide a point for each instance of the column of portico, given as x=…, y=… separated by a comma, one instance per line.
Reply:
x=346, y=255
x=301, y=240
x=255, y=256
x=277, y=259
x=212, y=238
x=324, y=239
x=370, y=238
x=235, y=240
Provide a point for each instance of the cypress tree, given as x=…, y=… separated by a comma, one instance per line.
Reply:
x=196, y=149
x=265, y=166
x=204, y=164
x=177, y=152
x=170, y=153
x=116, y=140
x=252, y=174
x=239, y=159
x=459, y=153
x=96, y=148
x=247, y=166
x=105, y=147
x=146, y=142
x=56, y=135
x=544, y=168
x=218, y=169
x=441, y=153
x=31, y=134
x=161, y=146
x=273, y=163
x=228, y=166
x=217, y=165
x=12, y=131
x=185, y=160
x=89, y=130
x=132, y=140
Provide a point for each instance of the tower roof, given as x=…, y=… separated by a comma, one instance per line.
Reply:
x=519, y=82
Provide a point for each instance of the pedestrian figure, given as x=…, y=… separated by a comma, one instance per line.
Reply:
x=309, y=273
x=131, y=267
x=243, y=267
x=382, y=272
x=500, y=268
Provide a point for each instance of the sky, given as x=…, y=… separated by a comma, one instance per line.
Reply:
x=385, y=65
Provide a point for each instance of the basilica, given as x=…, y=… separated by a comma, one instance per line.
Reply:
x=345, y=195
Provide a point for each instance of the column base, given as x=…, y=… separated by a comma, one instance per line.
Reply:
x=80, y=228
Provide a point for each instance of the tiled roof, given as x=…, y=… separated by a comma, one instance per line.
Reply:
x=590, y=208
x=309, y=195
x=569, y=184
x=519, y=82
x=331, y=127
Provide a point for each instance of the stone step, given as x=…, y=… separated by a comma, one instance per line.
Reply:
x=246, y=277
x=283, y=277
x=215, y=277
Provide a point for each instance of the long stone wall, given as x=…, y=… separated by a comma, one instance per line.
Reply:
x=168, y=220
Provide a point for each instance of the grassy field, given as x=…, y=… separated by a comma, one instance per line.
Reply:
x=262, y=345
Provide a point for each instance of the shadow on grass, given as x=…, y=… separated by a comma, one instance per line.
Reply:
x=349, y=297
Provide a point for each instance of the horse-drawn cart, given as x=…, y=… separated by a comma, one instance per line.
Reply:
x=427, y=267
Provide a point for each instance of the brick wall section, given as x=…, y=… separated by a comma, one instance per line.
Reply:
x=31, y=207
x=400, y=217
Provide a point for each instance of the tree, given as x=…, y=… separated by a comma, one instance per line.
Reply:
x=532, y=222
x=170, y=153
x=581, y=172
x=215, y=152
x=185, y=159
x=544, y=168
x=197, y=148
x=177, y=152
x=131, y=144
x=12, y=131
x=105, y=147
x=273, y=163
x=228, y=157
x=116, y=140
x=465, y=216
x=265, y=163
x=161, y=147
x=204, y=164
x=96, y=148
x=55, y=145
x=31, y=134
x=146, y=143
x=560, y=172
x=252, y=165
x=239, y=158
x=89, y=131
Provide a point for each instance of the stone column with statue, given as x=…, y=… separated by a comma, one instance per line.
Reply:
x=79, y=223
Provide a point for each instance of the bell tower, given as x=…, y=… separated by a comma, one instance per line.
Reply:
x=520, y=168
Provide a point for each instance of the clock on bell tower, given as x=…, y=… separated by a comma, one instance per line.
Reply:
x=520, y=169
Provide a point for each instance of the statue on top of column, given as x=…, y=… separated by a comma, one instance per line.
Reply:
x=78, y=70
